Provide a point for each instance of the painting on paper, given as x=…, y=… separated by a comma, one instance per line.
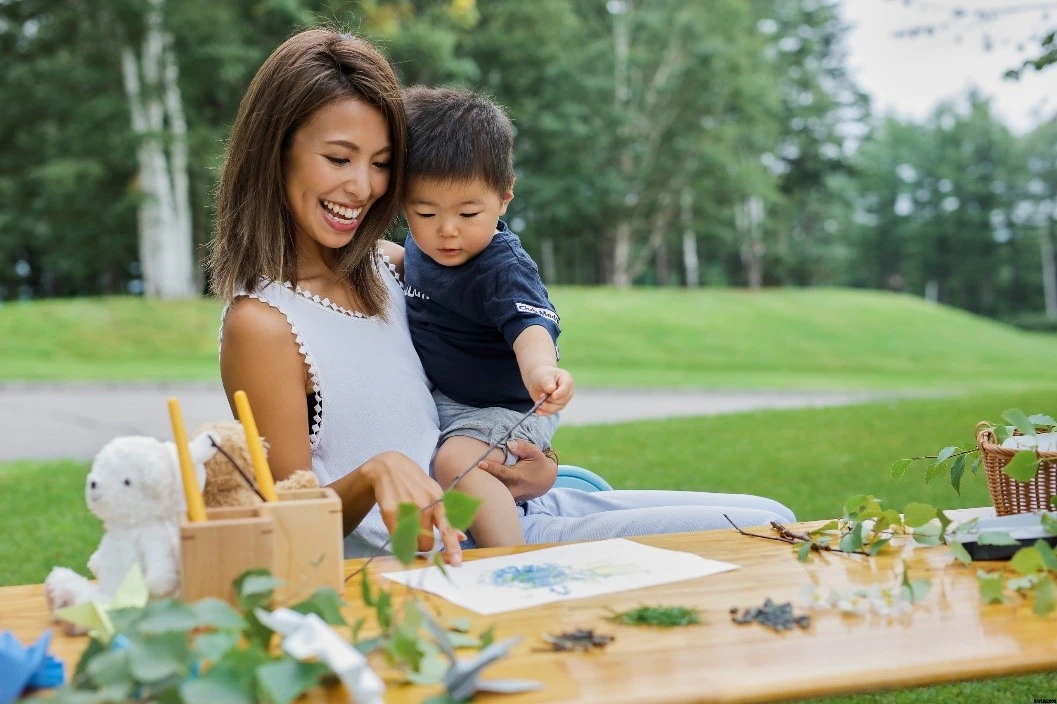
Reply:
x=511, y=582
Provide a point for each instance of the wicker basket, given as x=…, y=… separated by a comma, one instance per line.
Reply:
x=1009, y=495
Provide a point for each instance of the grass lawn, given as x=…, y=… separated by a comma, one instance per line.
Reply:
x=807, y=338
x=811, y=460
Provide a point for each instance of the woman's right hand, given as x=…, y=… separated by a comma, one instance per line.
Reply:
x=396, y=479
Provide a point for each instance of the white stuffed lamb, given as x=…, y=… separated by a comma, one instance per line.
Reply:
x=136, y=489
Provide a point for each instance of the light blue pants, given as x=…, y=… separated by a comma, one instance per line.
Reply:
x=572, y=515
x=563, y=515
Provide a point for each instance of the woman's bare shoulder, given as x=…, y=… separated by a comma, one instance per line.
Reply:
x=395, y=253
x=249, y=319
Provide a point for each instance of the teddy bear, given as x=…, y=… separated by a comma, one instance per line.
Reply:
x=229, y=473
x=135, y=488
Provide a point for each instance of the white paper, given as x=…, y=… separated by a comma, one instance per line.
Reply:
x=497, y=584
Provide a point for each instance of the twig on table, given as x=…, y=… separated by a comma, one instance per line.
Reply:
x=789, y=537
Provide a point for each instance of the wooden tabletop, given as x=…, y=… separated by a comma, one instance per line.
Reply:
x=950, y=636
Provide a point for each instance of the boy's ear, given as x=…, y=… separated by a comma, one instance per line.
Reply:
x=505, y=198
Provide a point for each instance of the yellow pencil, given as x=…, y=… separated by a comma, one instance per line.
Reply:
x=196, y=508
x=261, y=470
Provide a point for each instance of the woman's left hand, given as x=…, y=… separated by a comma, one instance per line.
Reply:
x=533, y=475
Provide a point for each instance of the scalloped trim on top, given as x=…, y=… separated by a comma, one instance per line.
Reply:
x=388, y=262
x=325, y=302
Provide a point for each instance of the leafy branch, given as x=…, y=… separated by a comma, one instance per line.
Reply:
x=956, y=459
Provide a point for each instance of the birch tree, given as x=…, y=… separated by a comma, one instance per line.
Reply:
x=151, y=82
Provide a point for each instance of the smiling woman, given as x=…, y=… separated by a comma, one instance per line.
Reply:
x=316, y=330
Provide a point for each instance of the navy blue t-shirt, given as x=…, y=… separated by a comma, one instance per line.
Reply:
x=464, y=319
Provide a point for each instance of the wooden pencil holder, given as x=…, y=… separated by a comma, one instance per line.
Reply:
x=214, y=552
x=297, y=538
x=308, y=549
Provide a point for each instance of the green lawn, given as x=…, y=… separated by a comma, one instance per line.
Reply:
x=809, y=459
x=807, y=338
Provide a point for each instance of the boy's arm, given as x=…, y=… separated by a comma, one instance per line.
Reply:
x=536, y=357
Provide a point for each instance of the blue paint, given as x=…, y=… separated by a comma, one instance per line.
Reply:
x=548, y=576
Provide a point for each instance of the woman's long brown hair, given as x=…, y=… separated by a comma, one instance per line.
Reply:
x=255, y=232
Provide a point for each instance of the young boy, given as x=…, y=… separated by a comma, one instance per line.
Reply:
x=479, y=315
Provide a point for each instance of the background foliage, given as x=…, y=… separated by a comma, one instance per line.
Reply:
x=669, y=143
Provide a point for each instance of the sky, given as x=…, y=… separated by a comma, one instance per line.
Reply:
x=909, y=76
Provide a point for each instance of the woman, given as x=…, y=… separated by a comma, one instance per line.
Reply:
x=315, y=332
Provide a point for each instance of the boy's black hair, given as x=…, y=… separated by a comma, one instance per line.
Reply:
x=457, y=135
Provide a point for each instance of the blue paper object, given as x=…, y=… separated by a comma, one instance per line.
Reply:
x=22, y=667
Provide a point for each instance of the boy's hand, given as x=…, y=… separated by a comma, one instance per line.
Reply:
x=554, y=381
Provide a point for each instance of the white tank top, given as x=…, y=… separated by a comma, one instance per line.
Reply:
x=371, y=393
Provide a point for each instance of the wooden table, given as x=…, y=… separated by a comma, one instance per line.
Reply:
x=949, y=637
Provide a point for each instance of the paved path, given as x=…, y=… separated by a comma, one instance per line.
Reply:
x=42, y=421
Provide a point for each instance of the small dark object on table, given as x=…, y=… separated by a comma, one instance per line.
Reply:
x=580, y=639
x=777, y=617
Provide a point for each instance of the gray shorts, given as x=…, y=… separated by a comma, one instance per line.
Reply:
x=490, y=424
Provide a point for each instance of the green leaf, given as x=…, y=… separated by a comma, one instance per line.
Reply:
x=369, y=645
x=462, y=625
x=960, y=552
x=1016, y=417
x=994, y=537
x=438, y=562
x=325, y=603
x=1003, y=433
x=213, y=646
x=1045, y=597
x=878, y=545
x=487, y=637
x=109, y=668
x=156, y=658
x=1023, y=466
x=992, y=590
x=933, y=471
x=462, y=640
x=975, y=466
x=899, y=468
x=852, y=540
x=945, y=454
x=1049, y=523
x=914, y=590
x=405, y=648
x=1046, y=552
x=855, y=504
x=803, y=552
x=254, y=584
x=460, y=508
x=832, y=525
x=945, y=522
x=286, y=680
x=957, y=470
x=431, y=670
x=241, y=664
x=928, y=539
x=660, y=616
x=167, y=616
x=414, y=618
x=1027, y=561
x=365, y=589
x=405, y=535
x=384, y=609
x=217, y=614
x=217, y=687
x=916, y=514
x=893, y=518
x=357, y=626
